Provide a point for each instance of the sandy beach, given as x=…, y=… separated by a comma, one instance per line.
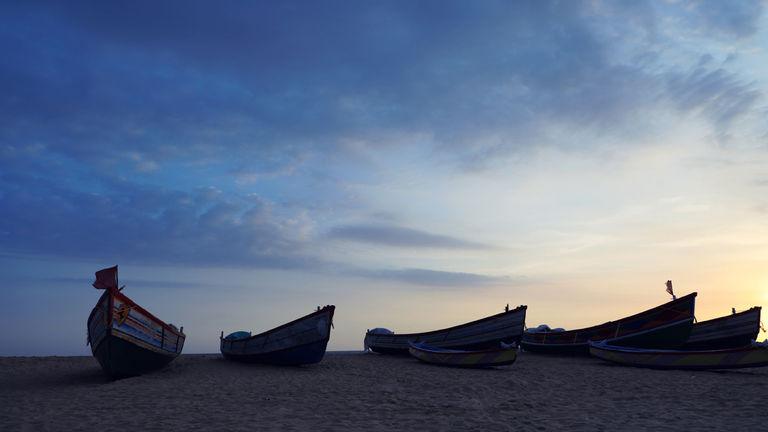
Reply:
x=351, y=391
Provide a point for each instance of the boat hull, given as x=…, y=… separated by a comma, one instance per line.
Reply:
x=120, y=358
x=665, y=326
x=127, y=340
x=734, y=358
x=300, y=342
x=464, y=359
x=295, y=356
x=485, y=333
x=731, y=331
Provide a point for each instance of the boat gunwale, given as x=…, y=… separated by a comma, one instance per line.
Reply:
x=753, y=309
x=488, y=318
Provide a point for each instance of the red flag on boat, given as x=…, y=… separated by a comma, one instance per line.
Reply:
x=106, y=278
x=670, y=290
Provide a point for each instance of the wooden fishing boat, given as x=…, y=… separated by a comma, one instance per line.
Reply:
x=731, y=331
x=665, y=326
x=125, y=338
x=299, y=342
x=484, y=333
x=749, y=356
x=504, y=355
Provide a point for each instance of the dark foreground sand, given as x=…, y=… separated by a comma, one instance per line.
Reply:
x=373, y=392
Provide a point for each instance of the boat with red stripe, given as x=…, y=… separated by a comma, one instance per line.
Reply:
x=125, y=338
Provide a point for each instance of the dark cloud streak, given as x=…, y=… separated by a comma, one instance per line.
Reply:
x=391, y=235
x=717, y=93
x=434, y=278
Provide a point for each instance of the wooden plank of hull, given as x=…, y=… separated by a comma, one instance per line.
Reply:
x=120, y=358
x=731, y=331
x=127, y=340
x=466, y=359
x=734, y=358
x=302, y=341
x=665, y=326
x=484, y=333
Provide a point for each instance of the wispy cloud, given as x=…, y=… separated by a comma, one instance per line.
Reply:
x=435, y=278
x=392, y=235
x=713, y=91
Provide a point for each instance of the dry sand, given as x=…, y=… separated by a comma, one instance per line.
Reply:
x=374, y=392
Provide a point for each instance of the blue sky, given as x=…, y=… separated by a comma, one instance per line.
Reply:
x=418, y=164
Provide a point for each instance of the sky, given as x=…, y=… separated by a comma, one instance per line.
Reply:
x=418, y=164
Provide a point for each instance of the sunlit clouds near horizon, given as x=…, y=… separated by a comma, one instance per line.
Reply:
x=418, y=164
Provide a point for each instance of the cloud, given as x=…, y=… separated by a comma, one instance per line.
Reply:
x=260, y=86
x=740, y=19
x=434, y=278
x=127, y=222
x=116, y=119
x=716, y=93
x=392, y=235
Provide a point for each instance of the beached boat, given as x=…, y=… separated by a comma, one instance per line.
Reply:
x=299, y=342
x=665, y=326
x=754, y=355
x=484, y=333
x=125, y=338
x=731, y=331
x=504, y=355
